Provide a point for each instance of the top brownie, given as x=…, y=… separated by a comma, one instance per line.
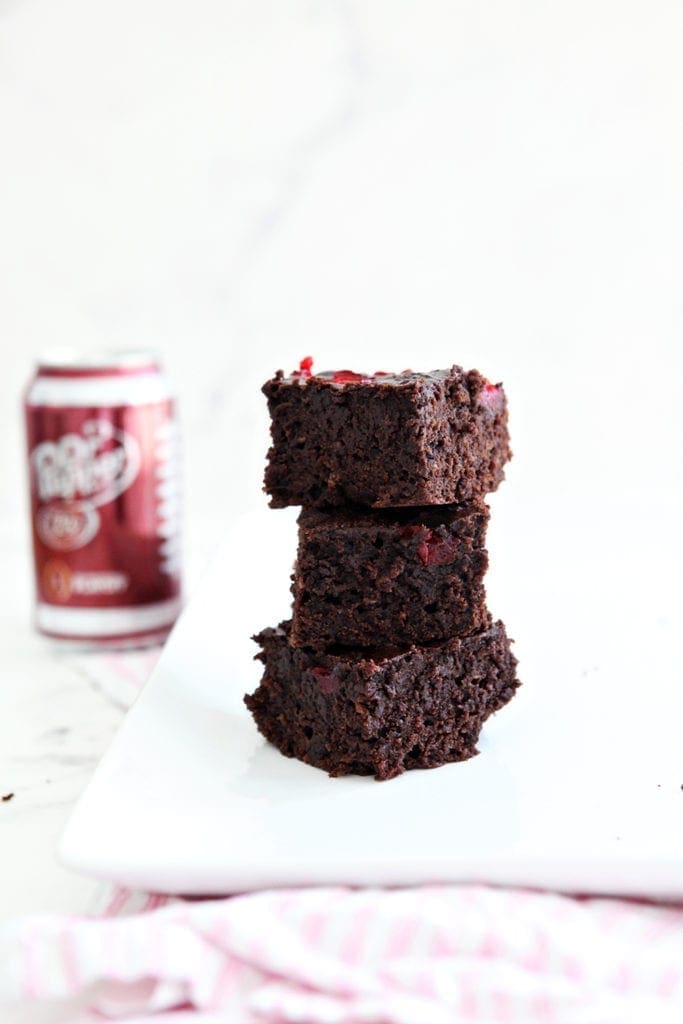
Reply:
x=386, y=440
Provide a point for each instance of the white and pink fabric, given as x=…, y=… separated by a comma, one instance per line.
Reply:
x=431, y=955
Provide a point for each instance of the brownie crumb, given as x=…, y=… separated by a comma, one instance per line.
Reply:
x=7, y=796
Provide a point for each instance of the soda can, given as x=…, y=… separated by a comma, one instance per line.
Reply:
x=103, y=453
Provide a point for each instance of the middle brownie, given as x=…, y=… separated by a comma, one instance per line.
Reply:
x=395, y=576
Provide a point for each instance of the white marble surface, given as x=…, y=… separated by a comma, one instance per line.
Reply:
x=54, y=726
x=379, y=184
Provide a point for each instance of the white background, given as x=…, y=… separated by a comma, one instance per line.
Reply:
x=380, y=185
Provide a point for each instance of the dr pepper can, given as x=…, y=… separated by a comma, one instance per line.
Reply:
x=103, y=466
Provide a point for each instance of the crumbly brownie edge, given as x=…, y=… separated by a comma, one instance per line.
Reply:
x=363, y=713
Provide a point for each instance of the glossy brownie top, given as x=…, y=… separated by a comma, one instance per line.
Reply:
x=306, y=375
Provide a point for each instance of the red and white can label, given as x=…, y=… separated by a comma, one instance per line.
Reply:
x=105, y=512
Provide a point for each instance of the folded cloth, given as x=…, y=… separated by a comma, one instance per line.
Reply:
x=427, y=955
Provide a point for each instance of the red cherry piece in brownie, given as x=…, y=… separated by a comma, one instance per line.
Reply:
x=491, y=396
x=305, y=368
x=347, y=377
x=432, y=550
x=437, y=550
x=326, y=682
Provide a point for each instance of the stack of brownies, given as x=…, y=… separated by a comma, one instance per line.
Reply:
x=391, y=660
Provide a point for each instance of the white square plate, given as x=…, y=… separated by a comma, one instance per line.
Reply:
x=577, y=787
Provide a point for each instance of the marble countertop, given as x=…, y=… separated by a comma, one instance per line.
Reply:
x=60, y=710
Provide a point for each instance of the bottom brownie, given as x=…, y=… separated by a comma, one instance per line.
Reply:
x=381, y=712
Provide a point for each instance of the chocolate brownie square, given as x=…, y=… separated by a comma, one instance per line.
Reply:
x=381, y=711
x=405, y=576
x=385, y=441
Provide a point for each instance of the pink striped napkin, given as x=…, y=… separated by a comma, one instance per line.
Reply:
x=337, y=956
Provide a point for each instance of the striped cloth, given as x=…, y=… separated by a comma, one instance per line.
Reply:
x=430, y=955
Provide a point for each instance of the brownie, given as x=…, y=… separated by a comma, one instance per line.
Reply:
x=403, y=575
x=385, y=441
x=385, y=710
